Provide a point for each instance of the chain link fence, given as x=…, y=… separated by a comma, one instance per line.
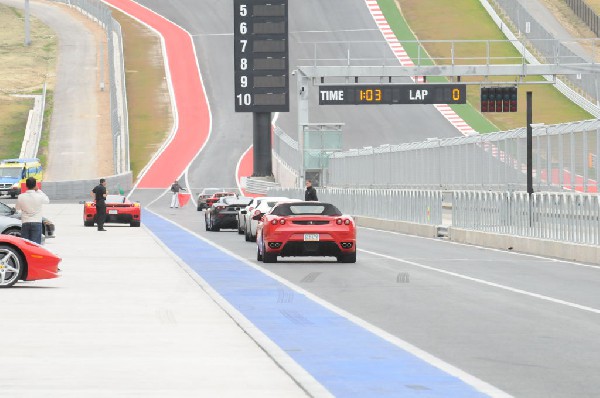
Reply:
x=565, y=156
x=422, y=207
x=564, y=217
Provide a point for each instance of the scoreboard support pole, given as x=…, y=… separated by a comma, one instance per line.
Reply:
x=530, y=155
x=263, y=165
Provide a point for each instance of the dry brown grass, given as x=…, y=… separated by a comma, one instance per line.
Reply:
x=148, y=98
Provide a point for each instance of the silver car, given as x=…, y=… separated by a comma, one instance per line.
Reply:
x=10, y=223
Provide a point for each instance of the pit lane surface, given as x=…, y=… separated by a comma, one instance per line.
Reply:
x=524, y=324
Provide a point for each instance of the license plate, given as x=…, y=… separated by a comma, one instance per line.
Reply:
x=113, y=212
x=311, y=237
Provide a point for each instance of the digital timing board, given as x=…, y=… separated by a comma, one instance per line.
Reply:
x=261, y=55
x=374, y=94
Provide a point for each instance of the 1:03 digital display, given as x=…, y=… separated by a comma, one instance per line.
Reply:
x=393, y=94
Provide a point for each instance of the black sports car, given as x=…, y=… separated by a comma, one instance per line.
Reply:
x=224, y=213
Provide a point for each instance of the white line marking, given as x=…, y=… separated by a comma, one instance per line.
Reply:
x=484, y=282
x=553, y=260
x=476, y=383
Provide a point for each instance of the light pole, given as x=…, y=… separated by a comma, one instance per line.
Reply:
x=27, y=34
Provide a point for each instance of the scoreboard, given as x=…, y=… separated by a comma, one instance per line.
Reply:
x=374, y=94
x=261, y=60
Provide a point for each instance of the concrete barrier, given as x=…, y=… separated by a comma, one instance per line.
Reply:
x=397, y=226
x=539, y=247
x=80, y=189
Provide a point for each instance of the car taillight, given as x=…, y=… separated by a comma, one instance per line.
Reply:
x=338, y=221
x=220, y=207
x=274, y=222
x=136, y=205
x=347, y=222
x=282, y=221
x=256, y=212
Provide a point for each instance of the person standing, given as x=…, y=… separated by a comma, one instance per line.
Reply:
x=175, y=188
x=29, y=203
x=99, y=196
x=311, y=193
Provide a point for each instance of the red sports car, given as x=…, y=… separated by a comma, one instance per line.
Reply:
x=119, y=209
x=21, y=259
x=305, y=229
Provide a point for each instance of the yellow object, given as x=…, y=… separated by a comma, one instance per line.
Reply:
x=14, y=172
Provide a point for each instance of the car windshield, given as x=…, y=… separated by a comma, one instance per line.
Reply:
x=300, y=209
x=5, y=210
x=10, y=172
x=115, y=199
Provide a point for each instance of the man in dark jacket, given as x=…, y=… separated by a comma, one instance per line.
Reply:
x=99, y=196
x=175, y=188
x=310, y=194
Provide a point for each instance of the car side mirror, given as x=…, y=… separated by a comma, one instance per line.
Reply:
x=13, y=210
x=243, y=212
x=257, y=217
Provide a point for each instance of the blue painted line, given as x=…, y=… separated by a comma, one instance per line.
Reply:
x=345, y=358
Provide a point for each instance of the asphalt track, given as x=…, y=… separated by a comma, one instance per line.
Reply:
x=526, y=325
x=210, y=25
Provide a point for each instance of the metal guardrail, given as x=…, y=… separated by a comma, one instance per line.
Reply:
x=586, y=14
x=565, y=217
x=422, y=207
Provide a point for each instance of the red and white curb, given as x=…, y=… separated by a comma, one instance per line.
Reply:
x=405, y=60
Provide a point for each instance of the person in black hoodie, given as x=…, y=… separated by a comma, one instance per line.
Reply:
x=311, y=193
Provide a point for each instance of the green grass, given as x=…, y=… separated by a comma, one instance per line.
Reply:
x=23, y=70
x=147, y=98
x=13, y=118
x=467, y=20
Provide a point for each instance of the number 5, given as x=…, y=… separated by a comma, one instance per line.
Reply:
x=243, y=10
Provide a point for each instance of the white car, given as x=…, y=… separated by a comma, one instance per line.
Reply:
x=243, y=215
x=264, y=205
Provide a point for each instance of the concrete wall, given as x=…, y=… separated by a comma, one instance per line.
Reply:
x=540, y=247
x=80, y=189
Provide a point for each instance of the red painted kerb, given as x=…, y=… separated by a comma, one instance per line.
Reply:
x=190, y=99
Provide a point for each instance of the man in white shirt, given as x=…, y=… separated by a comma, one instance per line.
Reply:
x=30, y=204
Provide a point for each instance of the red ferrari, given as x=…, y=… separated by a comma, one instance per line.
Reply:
x=305, y=229
x=21, y=259
x=119, y=209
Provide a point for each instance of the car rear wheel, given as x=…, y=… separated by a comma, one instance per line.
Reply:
x=268, y=257
x=11, y=266
x=88, y=223
x=347, y=258
x=247, y=237
x=13, y=232
x=134, y=224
